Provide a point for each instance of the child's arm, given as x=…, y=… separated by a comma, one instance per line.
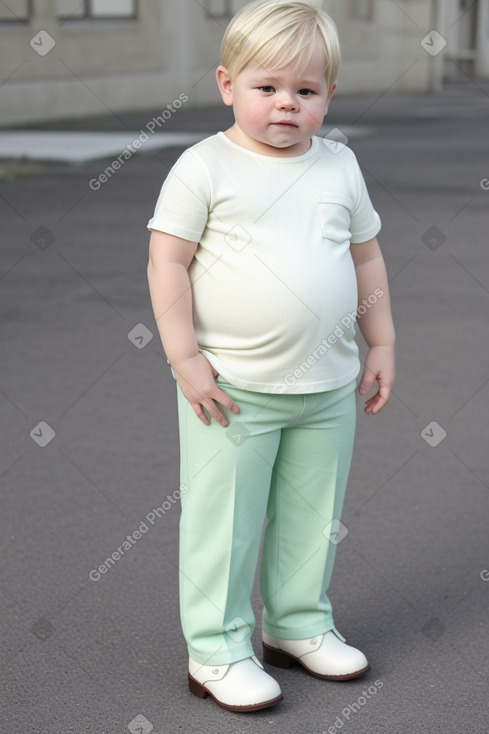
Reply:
x=171, y=298
x=375, y=322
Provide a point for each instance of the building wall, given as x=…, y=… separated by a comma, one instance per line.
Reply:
x=172, y=48
x=384, y=51
x=482, y=40
x=95, y=65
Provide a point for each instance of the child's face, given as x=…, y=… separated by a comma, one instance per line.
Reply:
x=276, y=112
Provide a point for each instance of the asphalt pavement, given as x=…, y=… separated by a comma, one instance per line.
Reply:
x=90, y=631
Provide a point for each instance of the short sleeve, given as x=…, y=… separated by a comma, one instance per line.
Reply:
x=182, y=208
x=365, y=222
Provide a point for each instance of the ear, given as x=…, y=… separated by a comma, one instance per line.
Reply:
x=328, y=99
x=225, y=85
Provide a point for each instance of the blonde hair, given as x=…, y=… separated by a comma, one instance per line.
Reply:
x=276, y=33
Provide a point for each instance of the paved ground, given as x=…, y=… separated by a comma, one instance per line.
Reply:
x=90, y=652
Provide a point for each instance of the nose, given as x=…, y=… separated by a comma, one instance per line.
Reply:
x=287, y=101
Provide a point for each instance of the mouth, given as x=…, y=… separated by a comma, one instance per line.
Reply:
x=285, y=123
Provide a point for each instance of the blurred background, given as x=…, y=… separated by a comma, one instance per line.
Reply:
x=98, y=99
x=133, y=55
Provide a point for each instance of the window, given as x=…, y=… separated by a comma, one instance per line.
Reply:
x=112, y=8
x=221, y=9
x=14, y=10
x=81, y=9
x=361, y=9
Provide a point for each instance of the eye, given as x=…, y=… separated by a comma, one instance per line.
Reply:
x=267, y=89
x=305, y=92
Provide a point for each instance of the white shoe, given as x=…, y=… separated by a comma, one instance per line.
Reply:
x=325, y=656
x=241, y=686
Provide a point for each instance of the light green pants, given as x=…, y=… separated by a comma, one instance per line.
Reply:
x=286, y=457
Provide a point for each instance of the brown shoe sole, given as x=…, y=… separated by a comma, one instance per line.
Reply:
x=281, y=659
x=201, y=692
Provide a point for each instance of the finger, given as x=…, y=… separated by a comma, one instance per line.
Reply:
x=225, y=400
x=366, y=382
x=214, y=412
x=384, y=394
x=369, y=406
x=372, y=408
x=197, y=408
x=378, y=401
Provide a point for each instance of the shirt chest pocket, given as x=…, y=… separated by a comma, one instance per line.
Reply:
x=335, y=216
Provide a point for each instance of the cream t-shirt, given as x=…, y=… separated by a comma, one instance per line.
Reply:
x=273, y=282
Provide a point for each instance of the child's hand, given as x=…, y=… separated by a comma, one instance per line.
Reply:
x=379, y=366
x=195, y=377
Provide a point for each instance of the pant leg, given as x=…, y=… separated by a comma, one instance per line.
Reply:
x=306, y=495
x=227, y=472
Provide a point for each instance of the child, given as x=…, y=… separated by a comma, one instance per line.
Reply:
x=263, y=242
